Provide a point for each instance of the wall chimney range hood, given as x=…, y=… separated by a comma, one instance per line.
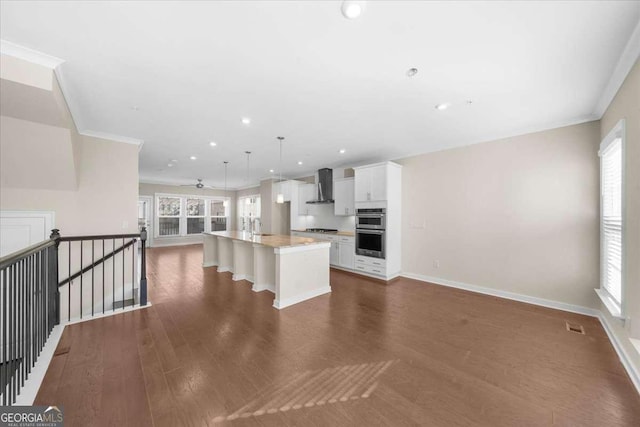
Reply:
x=325, y=187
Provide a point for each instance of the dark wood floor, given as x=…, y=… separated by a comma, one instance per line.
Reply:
x=210, y=351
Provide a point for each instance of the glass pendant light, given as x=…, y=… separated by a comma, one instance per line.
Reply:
x=280, y=196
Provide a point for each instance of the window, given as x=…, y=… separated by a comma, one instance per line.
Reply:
x=612, y=220
x=195, y=216
x=218, y=215
x=248, y=209
x=169, y=216
x=179, y=215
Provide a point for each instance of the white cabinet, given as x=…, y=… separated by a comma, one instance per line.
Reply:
x=306, y=192
x=334, y=253
x=343, y=195
x=371, y=183
x=347, y=253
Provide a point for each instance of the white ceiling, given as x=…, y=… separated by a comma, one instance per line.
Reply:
x=303, y=71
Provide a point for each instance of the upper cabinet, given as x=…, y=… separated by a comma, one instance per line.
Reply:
x=306, y=192
x=343, y=195
x=371, y=183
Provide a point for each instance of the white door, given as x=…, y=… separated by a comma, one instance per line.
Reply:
x=21, y=229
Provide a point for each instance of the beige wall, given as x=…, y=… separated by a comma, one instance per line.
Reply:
x=518, y=215
x=106, y=199
x=626, y=105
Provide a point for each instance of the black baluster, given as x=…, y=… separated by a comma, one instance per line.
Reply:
x=113, y=278
x=81, y=278
x=3, y=369
x=93, y=259
x=123, y=273
x=104, y=261
x=133, y=270
x=69, y=287
x=143, y=267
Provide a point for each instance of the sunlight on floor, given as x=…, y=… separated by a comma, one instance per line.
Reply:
x=315, y=388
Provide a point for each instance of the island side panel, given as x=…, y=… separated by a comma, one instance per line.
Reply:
x=302, y=273
x=242, y=261
x=209, y=250
x=225, y=254
x=264, y=269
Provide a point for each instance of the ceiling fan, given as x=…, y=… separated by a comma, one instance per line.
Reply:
x=198, y=185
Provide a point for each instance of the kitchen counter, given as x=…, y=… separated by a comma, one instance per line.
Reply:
x=339, y=233
x=271, y=240
x=294, y=268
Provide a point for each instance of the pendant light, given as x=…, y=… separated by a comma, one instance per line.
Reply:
x=248, y=153
x=225, y=203
x=280, y=196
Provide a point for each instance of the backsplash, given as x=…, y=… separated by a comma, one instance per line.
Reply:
x=325, y=218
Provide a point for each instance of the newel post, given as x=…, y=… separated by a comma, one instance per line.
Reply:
x=143, y=266
x=54, y=279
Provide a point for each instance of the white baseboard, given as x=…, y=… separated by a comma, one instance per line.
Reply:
x=625, y=359
x=280, y=304
x=107, y=314
x=29, y=392
x=160, y=244
x=209, y=264
x=264, y=287
x=224, y=269
x=238, y=277
x=507, y=295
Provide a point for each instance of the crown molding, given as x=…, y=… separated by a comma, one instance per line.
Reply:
x=629, y=56
x=112, y=137
x=30, y=55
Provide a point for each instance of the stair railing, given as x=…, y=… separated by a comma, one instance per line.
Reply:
x=31, y=300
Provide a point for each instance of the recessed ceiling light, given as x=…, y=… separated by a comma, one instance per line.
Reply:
x=170, y=165
x=193, y=157
x=412, y=72
x=342, y=151
x=246, y=120
x=300, y=162
x=442, y=106
x=213, y=144
x=469, y=101
x=174, y=161
x=271, y=171
x=135, y=108
x=352, y=9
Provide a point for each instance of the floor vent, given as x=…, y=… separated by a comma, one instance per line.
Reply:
x=572, y=327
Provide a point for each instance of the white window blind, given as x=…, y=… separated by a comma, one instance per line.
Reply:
x=611, y=225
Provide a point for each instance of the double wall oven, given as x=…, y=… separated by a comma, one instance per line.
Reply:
x=370, y=232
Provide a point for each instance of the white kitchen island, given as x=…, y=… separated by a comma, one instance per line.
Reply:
x=294, y=268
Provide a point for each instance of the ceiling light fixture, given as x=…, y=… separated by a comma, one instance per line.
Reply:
x=225, y=203
x=412, y=72
x=352, y=9
x=300, y=162
x=170, y=165
x=213, y=144
x=271, y=170
x=246, y=120
x=342, y=151
x=280, y=196
x=174, y=161
x=442, y=107
x=193, y=158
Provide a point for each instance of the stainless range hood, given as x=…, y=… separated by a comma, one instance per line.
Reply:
x=325, y=187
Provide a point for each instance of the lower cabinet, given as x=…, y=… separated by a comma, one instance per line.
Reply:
x=334, y=253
